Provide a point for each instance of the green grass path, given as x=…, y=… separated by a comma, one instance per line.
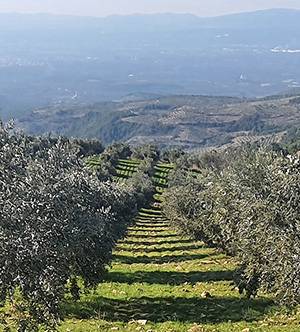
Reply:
x=162, y=282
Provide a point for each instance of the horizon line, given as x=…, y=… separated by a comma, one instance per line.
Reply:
x=149, y=14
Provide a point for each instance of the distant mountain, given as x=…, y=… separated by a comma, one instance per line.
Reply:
x=48, y=59
x=288, y=18
x=189, y=122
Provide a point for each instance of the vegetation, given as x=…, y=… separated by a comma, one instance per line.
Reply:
x=186, y=122
x=58, y=221
x=290, y=143
x=249, y=208
x=160, y=281
x=210, y=227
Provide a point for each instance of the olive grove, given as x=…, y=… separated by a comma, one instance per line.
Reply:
x=249, y=207
x=58, y=221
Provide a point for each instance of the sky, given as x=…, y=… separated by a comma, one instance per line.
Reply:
x=102, y=8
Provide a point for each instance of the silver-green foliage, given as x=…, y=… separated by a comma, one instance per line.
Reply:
x=250, y=209
x=57, y=220
x=143, y=187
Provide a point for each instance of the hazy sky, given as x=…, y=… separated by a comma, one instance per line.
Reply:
x=108, y=7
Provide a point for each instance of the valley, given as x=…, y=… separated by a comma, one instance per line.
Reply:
x=47, y=59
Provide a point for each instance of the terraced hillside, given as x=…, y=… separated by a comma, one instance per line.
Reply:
x=125, y=169
x=189, y=122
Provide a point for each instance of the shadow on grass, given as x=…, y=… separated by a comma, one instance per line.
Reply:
x=145, y=243
x=152, y=221
x=163, y=249
x=152, y=226
x=149, y=215
x=162, y=309
x=144, y=229
x=155, y=259
x=148, y=219
x=170, y=277
x=147, y=236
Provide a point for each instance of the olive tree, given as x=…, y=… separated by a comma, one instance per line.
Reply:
x=57, y=220
x=249, y=209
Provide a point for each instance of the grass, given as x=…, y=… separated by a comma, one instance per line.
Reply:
x=134, y=162
x=159, y=281
x=125, y=169
x=93, y=162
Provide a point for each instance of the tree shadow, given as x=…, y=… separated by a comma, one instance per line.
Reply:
x=147, y=236
x=148, y=219
x=145, y=226
x=152, y=220
x=162, y=309
x=156, y=259
x=163, y=249
x=144, y=229
x=158, y=243
x=170, y=277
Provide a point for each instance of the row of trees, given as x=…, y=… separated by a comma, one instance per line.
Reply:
x=58, y=221
x=245, y=202
x=141, y=181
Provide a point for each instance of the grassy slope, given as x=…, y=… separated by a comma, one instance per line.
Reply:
x=157, y=282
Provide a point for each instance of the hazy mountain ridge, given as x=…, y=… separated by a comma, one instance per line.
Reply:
x=48, y=59
x=169, y=21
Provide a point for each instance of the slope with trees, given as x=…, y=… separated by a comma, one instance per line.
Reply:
x=60, y=220
x=179, y=121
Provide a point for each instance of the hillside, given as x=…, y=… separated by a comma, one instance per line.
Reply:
x=189, y=122
x=48, y=59
x=174, y=242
